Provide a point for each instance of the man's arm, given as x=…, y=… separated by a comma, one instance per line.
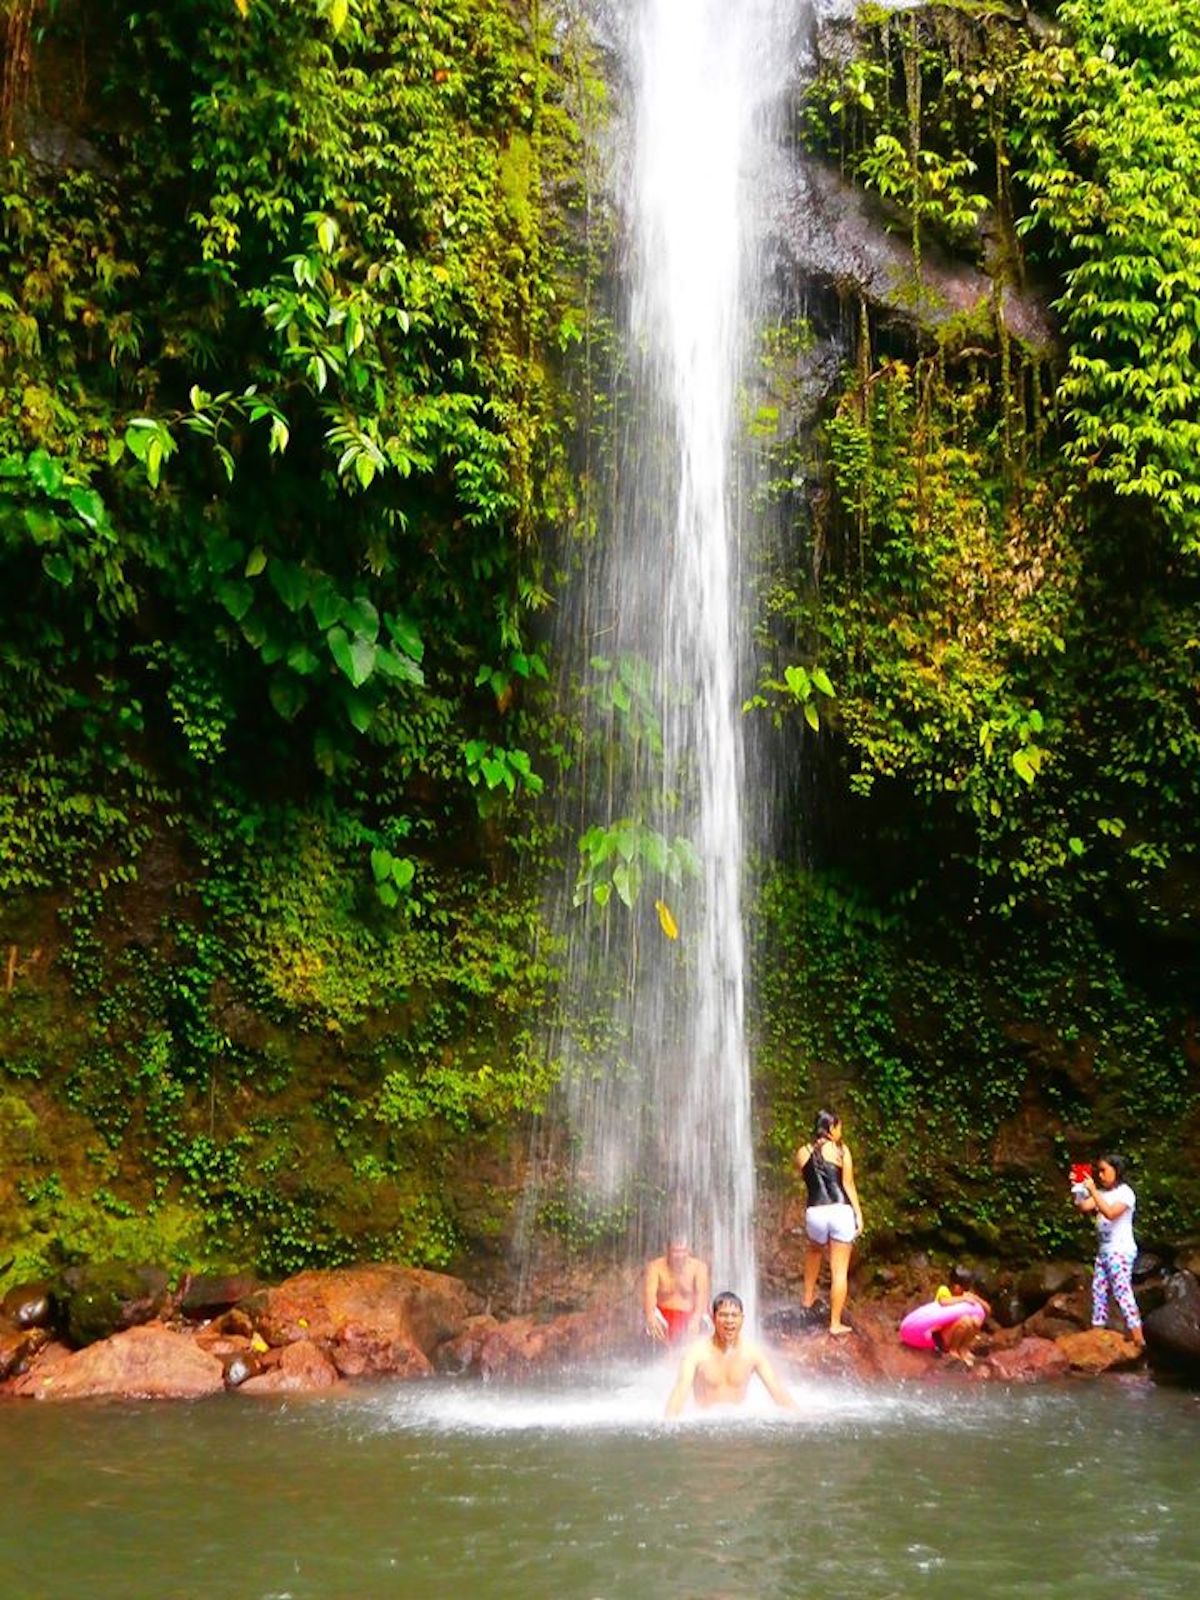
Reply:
x=780, y=1395
x=656, y=1325
x=687, y=1377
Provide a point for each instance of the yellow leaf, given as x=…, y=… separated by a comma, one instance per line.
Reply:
x=243, y=7
x=258, y=1343
x=666, y=920
x=338, y=12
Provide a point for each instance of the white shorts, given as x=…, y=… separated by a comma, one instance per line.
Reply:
x=823, y=1223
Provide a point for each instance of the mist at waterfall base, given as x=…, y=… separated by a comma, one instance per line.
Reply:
x=587, y=1494
x=652, y=626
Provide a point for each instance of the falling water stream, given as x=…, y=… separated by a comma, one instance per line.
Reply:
x=659, y=1095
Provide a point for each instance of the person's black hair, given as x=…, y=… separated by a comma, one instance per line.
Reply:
x=1119, y=1164
x=822, y=1123
x=727, y=1298
x=962, y=1277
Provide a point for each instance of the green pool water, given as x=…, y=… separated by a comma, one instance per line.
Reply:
x=583, y=1493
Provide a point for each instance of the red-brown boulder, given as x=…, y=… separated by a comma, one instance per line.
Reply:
x=372, y=1319
x=1098, y=1349
x=302, y=1367
x=1031, y=1360
x=18, y=1346
x=149, y=1362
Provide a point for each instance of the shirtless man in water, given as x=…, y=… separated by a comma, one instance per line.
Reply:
x=675, y=1293
x=718, y=1369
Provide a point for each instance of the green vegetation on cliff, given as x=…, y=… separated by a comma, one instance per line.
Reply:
x=281, y=293
x=996, y=948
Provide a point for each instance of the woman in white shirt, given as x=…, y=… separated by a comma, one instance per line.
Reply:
x=1113, y=1201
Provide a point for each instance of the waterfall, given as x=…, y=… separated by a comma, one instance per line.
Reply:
x=654, y=1045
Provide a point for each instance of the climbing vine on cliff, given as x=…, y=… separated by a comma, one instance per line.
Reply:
x=284, y=292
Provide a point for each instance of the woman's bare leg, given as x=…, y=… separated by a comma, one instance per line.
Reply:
x=812, y=1271
x=839, y=1267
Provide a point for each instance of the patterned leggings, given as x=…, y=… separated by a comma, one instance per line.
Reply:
x=1114, y=1273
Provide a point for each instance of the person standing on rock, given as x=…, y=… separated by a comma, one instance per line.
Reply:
x=1113, y=1202
x=675, y=1292
x=833, y=1218
x=717, y=1368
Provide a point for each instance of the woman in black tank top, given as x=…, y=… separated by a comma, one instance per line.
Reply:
x=833, y=1218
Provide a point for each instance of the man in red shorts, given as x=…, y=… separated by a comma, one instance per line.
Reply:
x=675, y=1293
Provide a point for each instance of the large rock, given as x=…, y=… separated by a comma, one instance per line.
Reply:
x=1068, y=1312
x=30, y=1305
x=1029, y=1361
x=837, y=235
x=520, y=1346
x=1038, y=1284
x=18, y=1346
x=371, y=1319
x=1097, y=1350
x=1173, y=1331
x=143, y=1363
x=105, y=1297
x=207, y=1294
x=302, y=1368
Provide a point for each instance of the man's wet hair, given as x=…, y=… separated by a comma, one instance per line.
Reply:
x=727, y=1298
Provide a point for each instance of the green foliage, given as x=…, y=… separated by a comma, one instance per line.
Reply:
x=1110, y=151
x=938, y=1047
x=282, y=427
x=617, y=858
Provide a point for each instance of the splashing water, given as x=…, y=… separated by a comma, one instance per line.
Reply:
x=659, y=1095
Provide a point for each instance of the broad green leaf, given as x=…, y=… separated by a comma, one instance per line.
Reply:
x=288, y=695
x=338, y=641
x=255, y=562
x=236, y=596
x=303, y=660
x=57, y=566
x=381, y=864
x=87, y=505
x=44, y=471
x=797, y=681
x=360, y=712
x=289, y=581
x=821, y=679
x=406, y=634
x=325, y=603
x=43, y=526
x=360, y=615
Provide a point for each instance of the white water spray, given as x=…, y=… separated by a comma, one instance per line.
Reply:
x=660, y=1093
